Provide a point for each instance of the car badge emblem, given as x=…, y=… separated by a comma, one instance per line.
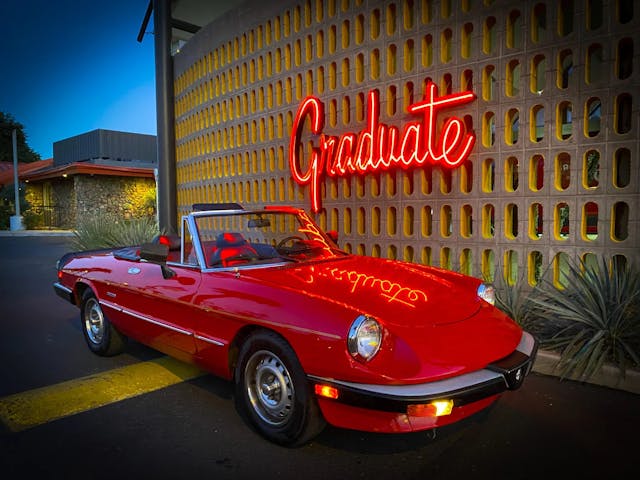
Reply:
x=133, y=271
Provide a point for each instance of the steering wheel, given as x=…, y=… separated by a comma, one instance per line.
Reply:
x=288, y=239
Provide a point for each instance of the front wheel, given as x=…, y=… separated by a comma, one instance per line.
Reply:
x=272, y=390
x=101, y=336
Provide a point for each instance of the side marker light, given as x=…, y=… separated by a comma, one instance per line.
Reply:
x=326, y=391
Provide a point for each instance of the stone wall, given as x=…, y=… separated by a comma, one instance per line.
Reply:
x=80, y=196
x=121, y=197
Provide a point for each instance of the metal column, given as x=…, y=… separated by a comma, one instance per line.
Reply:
x=167, y=204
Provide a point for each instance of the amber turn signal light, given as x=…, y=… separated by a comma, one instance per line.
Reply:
x=326, y=391
x=437, y=408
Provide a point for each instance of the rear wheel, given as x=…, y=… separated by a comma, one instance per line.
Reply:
x=273, y=392
x=101, y=336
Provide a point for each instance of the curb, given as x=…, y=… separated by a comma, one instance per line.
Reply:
x=607, y=376
x=36, y=233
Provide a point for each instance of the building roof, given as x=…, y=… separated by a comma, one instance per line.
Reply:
x=6, y=169
x=86, y=168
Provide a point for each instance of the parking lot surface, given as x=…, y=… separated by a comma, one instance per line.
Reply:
x=189, y=427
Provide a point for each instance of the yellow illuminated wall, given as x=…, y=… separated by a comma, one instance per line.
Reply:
x=554, y=174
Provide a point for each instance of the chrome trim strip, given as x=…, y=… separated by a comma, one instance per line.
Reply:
x=437, y=388
x=213, y=341
x=527, y=344
x=145, y=318
x=66, y=290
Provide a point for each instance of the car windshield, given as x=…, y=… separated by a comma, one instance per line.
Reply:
x=254, y=238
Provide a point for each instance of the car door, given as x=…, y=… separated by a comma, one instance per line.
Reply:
x=159, y=311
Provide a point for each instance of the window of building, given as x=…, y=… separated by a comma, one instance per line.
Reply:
x=466, y=80
x=511, y=221
x=489, y=35
x=512, y=84
x=591, y=169
x=624, y=58
x=622, y=168
x=593, y=114
x=565, y=68
x=536, y=123
x=466, y=177
x=538, y=74
x=427, y=51
x=564, y=121
x=488, y=129
x=466, y=41
x=625, y=10
x=512, y=126
x=445, y=45
x=488, y=82
x=594, y=14
x=391, y=19
x=408, y=55
x=620, y=221
x=488, y=220
x=536, y=221
x=590, y=221
x=446, y=224
x=563, y=171
x=426, y=220
x=536, y=173
x=514, y=29
x=511, y=267
x=539, y=23
x=534, y=268
x=561, y=221
x=511, y=174
x=623, y=113
x=488, y=175
x=466, y=221
x=374, y=24
x=566, y=13
x=595, y=70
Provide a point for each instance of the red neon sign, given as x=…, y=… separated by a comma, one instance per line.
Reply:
x=379, y=147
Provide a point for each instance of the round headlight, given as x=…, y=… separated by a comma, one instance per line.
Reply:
x=487, y=293
x=365, y=337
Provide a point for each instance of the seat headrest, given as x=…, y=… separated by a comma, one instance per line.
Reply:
x=230, y=239
x=172, y=241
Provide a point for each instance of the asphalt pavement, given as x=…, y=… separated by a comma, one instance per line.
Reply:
x=548, y=429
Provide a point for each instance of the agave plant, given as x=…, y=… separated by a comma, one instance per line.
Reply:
x=513, y=299
x=593, y=319
x=104, y=231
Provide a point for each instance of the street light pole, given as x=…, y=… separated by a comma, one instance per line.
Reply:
x=15, y=222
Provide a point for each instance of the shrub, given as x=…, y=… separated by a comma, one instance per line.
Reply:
x=594, y=319
x=106, y=231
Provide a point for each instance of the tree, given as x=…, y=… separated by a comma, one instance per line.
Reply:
x=25, y=153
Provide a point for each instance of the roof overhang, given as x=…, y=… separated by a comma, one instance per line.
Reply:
x=82, y=168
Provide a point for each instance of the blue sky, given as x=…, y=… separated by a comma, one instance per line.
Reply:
x=70, y=66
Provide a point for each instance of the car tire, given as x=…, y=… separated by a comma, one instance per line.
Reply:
x=272, y=391
x=101, y=336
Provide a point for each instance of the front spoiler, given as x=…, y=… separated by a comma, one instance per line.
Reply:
x=505, y=374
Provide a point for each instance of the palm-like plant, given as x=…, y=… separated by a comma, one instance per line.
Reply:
x=594, y=319
x=104, y=231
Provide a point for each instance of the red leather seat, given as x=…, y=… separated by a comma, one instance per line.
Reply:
x=231, y=249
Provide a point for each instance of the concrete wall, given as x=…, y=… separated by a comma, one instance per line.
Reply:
x=241, y=79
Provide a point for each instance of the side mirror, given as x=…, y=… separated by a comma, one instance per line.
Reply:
x=333, y=235
x=157, y=253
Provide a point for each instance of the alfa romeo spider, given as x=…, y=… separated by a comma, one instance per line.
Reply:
x=307, y=333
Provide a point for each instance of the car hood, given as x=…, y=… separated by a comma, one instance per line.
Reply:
x=397, y=293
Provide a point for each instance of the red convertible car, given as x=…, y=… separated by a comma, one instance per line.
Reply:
x=308, y=333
